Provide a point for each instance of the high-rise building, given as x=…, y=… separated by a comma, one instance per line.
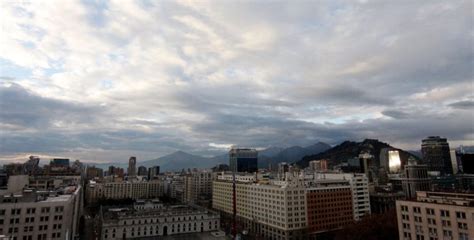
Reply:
x=435, y=151
x=329, y=204
x=142, y=171
x=319, y=165
x=93, y=172
x=436, y=215
x=415, y=178
x=153, y=172
x=243, y=160
x=360, y=191
x=132, y=167
x=283, y=168
x=198, y=187
x=390, y=160
x=274, y=210
x=467, y=162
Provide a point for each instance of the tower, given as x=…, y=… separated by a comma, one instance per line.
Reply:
x=435, y=151
x=243, y=160
x=132, y=167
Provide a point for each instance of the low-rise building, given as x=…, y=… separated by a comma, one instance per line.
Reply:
x=150, y=219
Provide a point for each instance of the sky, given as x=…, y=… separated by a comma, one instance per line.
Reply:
x=104, y=80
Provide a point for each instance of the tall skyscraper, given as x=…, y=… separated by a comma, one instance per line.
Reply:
x=243, y=160
x=436, y=154
x=132, y=167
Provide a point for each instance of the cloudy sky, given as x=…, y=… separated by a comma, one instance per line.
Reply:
x=101, y=81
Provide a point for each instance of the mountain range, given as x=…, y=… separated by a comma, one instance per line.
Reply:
x=183, y=160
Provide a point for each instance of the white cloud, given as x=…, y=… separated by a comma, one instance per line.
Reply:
x=173, y=70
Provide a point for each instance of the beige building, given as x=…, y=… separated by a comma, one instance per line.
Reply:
x=269, y=209
x=123, y=190
x=198, y=187
x=41, y=215
x=436, y=215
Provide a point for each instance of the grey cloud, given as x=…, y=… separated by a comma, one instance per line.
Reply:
x=465, y=104
x=396, y=114
x=29, y=110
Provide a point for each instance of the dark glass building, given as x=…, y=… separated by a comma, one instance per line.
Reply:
x=243, y=160
x=435, y=151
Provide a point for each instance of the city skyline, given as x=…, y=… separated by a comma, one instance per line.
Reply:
x=109, y=80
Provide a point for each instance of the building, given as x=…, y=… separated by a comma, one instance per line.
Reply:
x=150, y=219
x=329, y=206
x=153, y=172
x=142, y=171
x=390, y=160
x=265, y=209
x=283, y=168
x=198, y=187
x=415, y=179
x=318, y=165
x=132, y=167
x=243, y=160
x=467, y=162
x=116, y=171
x=436, y=155
x=360, y=191
x=41, y=215
x=383, y=201
x=436, y=215
x=93, y=172
x=96, y=191
x=59, y=165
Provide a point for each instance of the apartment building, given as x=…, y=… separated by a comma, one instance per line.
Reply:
x=150, y=219
x=436, y=215
x=41, y=215
x=198, y=187
x=268, y=209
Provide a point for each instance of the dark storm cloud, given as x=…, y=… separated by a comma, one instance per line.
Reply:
x=23, y=108
x=465, y=104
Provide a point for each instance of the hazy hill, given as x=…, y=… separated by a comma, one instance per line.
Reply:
x=292, y=154
x=349, y=149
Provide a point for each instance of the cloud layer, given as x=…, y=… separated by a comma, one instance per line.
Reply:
x=102, y=81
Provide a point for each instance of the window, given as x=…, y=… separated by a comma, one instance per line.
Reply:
x=16, y=211
x=447, y=233
x=444, y=213
x=430, y=211
x=431, y=221
x=446, y=223
x=460, y=215
x=416, y=210
x=45, y=210
x=463, y=236
x=462, y=225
